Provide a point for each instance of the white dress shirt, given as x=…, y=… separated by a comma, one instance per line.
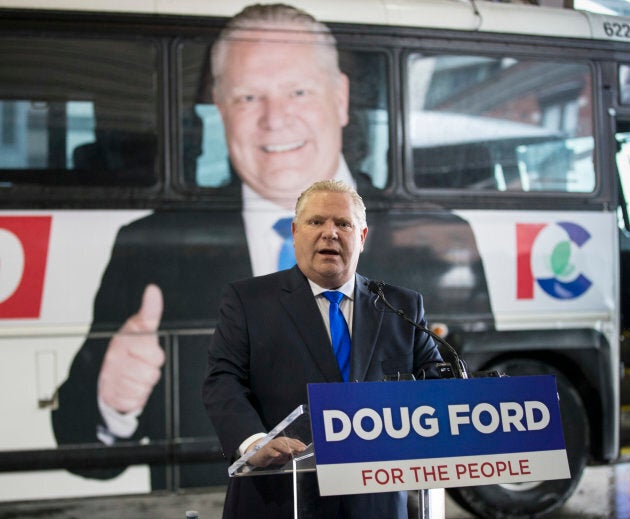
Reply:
x=346, y=305
x=259, y=215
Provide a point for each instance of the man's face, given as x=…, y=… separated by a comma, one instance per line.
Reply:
x=283, y=112
x=328, y=239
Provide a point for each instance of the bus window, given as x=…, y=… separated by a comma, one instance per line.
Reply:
x=366, y=137
x=26, y=118
x=204, y=151
x=623, y=167
x=500, y=124
x=624, y=84
x=59, y=126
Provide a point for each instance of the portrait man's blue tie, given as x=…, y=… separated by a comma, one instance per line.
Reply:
x=286, y=258
x=339, y=333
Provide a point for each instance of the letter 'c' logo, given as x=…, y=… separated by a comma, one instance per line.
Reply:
x=23, y=253
x=550, y=255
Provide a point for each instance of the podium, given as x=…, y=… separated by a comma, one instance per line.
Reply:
x=425, y=436
x=298, y=425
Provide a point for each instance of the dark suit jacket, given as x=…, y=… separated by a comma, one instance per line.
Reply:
x=189, y=255
x=271, y=342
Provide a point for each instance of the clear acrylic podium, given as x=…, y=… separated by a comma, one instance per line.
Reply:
x=297, y=425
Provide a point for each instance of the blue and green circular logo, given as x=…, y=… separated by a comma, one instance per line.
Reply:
x=557, y=257
x=552, y=256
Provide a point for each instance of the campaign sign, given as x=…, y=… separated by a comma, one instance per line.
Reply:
x=389, y=436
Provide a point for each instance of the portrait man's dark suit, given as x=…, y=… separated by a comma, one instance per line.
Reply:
x=259, y=374
x=190, y=256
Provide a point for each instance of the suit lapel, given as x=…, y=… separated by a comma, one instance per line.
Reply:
x=366, y=324
x=297, y=299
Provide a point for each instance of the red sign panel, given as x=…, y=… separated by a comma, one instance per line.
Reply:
x=526, y=234
x=23, y=254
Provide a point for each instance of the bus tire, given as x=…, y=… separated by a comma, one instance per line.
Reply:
x=527, y=500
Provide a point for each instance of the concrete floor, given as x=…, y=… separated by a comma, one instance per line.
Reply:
x=604, y=492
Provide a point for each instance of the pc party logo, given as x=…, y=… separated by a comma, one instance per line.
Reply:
x=551, y=256
x=23, y=253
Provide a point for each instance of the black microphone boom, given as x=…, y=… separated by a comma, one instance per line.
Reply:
x=376, y=287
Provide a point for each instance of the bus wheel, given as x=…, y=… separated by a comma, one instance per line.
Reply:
x=535, y=499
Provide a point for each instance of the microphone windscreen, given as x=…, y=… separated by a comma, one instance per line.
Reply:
x=375, y=286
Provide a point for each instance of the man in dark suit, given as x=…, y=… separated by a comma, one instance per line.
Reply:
x=274, y=337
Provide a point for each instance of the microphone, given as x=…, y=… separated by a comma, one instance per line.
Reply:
x=457, y=365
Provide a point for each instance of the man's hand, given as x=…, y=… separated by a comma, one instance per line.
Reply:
x=277, y=452
x=133, y=359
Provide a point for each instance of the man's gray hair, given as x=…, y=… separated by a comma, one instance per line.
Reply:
x=274, y=17
x=333, y=186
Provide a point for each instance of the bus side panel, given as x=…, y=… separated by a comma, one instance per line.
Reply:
x=69, y=257
x=548, y=269
x=553, y=281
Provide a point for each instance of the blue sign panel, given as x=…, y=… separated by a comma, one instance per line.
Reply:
x=474, y=431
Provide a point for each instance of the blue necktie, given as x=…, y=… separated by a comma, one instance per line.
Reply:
x=286, y=258
x=339, y=333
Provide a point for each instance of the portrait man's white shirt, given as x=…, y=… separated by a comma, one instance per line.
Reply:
x=259, y=216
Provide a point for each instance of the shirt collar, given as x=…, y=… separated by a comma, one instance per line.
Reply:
x=347, y=289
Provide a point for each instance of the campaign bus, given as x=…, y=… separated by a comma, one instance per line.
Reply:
x=489, y=141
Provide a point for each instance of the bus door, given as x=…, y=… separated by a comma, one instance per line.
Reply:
x=622, y=136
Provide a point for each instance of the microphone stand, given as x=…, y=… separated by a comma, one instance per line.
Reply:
x=456, y=363
x=429, y=506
